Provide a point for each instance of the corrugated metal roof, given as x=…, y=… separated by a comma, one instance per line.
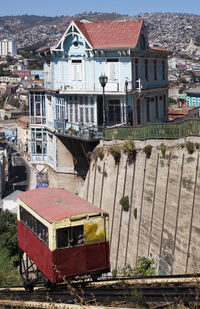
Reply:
x=56, y=204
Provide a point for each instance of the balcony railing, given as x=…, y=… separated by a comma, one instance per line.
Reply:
x=79, y=131
x=155, y=131
x=111, y=86
x=37, y=120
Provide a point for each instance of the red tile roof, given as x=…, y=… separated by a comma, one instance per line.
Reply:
x=160, y=48
x=111, y=34
x=56, y=204
x=24, y=121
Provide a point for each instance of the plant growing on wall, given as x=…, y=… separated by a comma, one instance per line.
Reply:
x=190, y=147
x=163, y=149
x=101, y=153
x=144, y=266
x=147, y=150
x=105, y=174
x=124, y=202
x=135, y=213
x=128, y=148
x=115, y=151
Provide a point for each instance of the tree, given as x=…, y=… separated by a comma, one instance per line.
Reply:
x=8, y=232
x=8, y=249
x=182, y=80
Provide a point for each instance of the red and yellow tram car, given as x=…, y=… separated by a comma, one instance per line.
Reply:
x=60, y=236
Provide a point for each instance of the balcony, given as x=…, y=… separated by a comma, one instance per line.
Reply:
x=90, y=86
x=79, y=131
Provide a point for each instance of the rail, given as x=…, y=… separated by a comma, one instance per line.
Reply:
x=128, y=291
x=155, y=131
x=79, y=131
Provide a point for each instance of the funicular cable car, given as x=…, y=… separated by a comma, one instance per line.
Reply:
x=60, y=236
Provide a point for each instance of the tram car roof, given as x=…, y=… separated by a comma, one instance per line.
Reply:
x=54, y=204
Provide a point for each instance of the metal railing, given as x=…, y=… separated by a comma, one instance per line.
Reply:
x=79, y=131
x=155, y=131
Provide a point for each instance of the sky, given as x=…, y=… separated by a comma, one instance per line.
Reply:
x=64, y=7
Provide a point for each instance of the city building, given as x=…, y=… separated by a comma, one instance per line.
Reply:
x=23, y=133
x=2, y=173
x=99, y=74
x=193, y=97
x=8, y=48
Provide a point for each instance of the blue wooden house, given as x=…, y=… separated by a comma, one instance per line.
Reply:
x=75, y=103
x=193, y=97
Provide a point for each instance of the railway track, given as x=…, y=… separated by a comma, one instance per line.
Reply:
x=127, y=291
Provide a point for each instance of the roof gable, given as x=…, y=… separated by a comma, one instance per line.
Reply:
x=111, y=34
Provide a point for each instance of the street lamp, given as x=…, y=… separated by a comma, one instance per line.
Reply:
x=126, y=105
x=103, y=81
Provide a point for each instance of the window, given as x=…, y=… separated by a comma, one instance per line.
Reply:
x=155, y=69
x=39, y=141
x=164, y=105
x=148, y=110
x=76, y=70
x=136, y=69
x=193, y=101
x=80, y=109
x=163, y=69
x=146, y=69
x=114, y=113
x=138, y=112
x=157, y=107
x=37, y=227
x=113, y=69
x=70, y=236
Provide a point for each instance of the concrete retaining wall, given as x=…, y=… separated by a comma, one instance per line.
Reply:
x=164, y=194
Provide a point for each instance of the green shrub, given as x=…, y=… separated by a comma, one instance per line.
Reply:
x=135, y=213
x=115, y=151
x=147, y=149
x=124, y=202
x=99, y=168
x=114, y=273
x=98, y=153
x=101, y=154
x=144, y=266
x=127, y=271
x=105, y=174
x=190, y=147
x=128, y=148
x=163, y=149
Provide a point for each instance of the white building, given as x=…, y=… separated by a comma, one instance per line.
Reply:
x=8, y=48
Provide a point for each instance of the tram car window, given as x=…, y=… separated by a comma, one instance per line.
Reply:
x=70, y=236
x=39, y=229
x=61, y=236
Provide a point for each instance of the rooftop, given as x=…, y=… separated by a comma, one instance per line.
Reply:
x=111, y=34
x=56, y=204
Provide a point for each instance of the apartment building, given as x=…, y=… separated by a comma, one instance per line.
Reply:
x=8, y=48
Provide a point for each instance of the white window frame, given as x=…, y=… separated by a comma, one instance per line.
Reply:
x=76, y=69
x=113, y=69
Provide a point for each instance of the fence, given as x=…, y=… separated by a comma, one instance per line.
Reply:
x=155, y=131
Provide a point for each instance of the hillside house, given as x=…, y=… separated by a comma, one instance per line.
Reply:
x=73, y=100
